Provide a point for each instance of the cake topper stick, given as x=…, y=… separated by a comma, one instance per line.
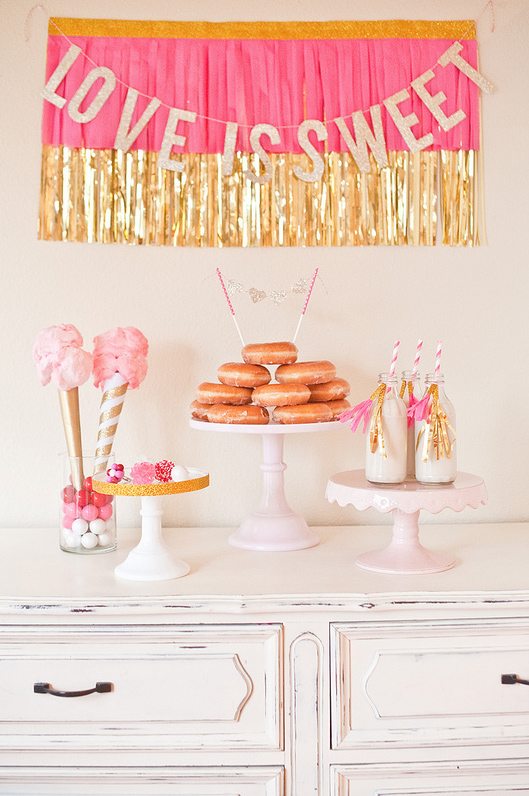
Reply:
x=305, y=305
x=230, y=306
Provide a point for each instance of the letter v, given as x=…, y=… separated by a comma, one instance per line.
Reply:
x=124, y=136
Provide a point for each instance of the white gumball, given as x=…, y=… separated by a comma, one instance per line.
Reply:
x=179, y=473
x=89, y=540
x=71, y=539
x=104, y=539
x=98, y=526
x=79, y=526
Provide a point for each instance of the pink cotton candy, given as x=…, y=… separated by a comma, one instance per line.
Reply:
x=59, y=358
x=123, y=351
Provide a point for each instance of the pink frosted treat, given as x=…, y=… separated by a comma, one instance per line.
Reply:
x=59, y=358
x=120, y=360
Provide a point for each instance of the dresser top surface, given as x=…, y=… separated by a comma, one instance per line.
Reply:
x=490, y=558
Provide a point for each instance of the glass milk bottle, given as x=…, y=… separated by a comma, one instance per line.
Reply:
x=410, y=380
x=435, y=437
x=386, y=464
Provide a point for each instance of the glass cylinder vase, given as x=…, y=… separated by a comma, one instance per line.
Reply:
x=87, y=521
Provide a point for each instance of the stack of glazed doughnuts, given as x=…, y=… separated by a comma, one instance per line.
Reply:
x=303, y=392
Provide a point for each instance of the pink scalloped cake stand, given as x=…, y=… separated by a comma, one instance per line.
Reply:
x=405, y=554
x=273, y=526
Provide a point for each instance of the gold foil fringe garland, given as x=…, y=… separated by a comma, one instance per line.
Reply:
x=108, y=196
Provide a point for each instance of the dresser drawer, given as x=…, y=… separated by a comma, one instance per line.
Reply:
x=166, y=781
x=420, y=683
x=203, y=687
x=457, y=779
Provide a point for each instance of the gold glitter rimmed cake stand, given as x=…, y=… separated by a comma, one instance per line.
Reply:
x=152, y=559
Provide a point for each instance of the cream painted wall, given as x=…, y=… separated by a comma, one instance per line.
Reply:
x=473, y=299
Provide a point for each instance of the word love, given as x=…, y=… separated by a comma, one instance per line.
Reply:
x=364, y=136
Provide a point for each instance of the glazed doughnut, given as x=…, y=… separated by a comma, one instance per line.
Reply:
x=337, y=407
x=242, y=374
x=334, y=390
x=281, y=394
x=270, y=353
x=212, y=393
x=306, y=372
x=246, y=415
x=304, y=413
x=199, y=411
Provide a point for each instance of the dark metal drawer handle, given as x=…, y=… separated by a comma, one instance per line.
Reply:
x=513, y=679
x=45, y=688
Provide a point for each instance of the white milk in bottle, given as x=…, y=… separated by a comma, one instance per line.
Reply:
x=410, y=382
x=435, y=437
x=386, y=455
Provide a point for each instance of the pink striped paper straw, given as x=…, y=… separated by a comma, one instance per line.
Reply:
x=394, y=358
x=438, y=358
x=417, y=357
x=230, y=305
x=305, y=305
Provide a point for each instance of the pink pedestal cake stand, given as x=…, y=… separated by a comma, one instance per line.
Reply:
x=152, y=559
x=405, y=554
x=273, y=526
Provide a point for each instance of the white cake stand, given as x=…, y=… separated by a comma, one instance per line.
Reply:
x=405, y=554
x=273, y=526
x=152, y=559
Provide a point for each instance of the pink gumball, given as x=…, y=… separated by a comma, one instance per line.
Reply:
x=68, y=494
x=89, y=512
x=71, y=510
x=67, y=522
x=105, y=512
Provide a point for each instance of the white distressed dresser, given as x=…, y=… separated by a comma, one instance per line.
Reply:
x=266, y=674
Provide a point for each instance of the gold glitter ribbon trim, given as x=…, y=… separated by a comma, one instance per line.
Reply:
x=150, y=490
x=108, y=414
x=108, y=196
x=109, y=431
x=114, y=392
x=378, y=29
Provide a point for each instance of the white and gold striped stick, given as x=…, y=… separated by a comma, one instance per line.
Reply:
x=109, y=412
